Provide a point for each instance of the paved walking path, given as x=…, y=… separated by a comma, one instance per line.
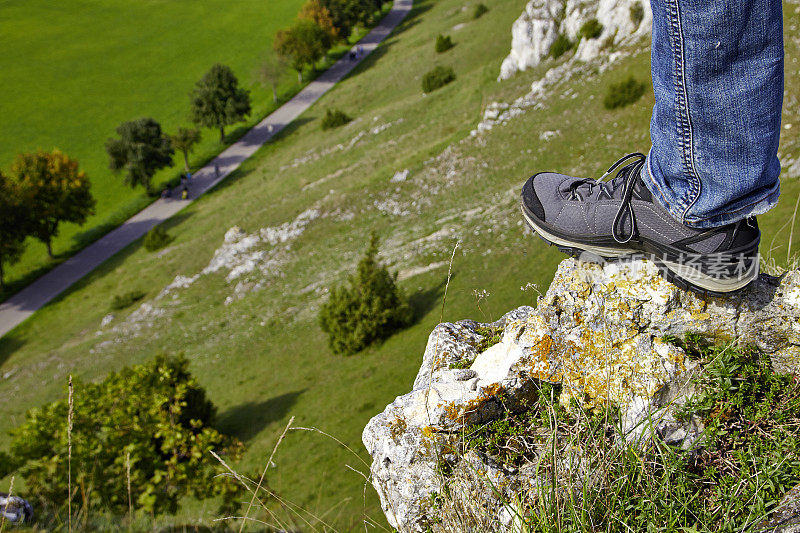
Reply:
x=23, y=304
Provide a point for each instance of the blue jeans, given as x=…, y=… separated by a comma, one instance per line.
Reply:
x=718, y=82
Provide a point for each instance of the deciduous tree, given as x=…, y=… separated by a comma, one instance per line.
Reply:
x=53, y=190
x=12, y=225
x=184, y=141
x=218, y=101
x=316, y=12
x=303, y=44
x=270, y=72
x=346, y=14
x=141, y=150
x=151, y=424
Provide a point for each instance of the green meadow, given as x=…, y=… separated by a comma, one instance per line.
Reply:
x=73, y=71
x=254, y=341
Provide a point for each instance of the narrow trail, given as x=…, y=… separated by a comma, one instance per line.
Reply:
x=32, y=298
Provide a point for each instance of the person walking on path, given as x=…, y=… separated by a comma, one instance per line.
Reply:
x=690, y=204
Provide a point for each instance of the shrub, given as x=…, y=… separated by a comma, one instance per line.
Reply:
x=443, y=43
x=438, y=77
x=560, y=46
x=156, y=239
x=121, y=301
x=624, y=93
x=591, y=29
x=479, y=11
x=156, y=414
x=637, y=14
x=369, y=308
x=334, y=119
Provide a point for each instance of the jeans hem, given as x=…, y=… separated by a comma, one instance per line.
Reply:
x=757, y=207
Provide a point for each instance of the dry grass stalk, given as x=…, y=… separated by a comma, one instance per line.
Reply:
x=128, y=478
x=10, y=492
x=264, y=473
x=69, y=455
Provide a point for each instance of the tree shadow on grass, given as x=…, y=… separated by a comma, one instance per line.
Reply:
x=8, y=345
x=424, y=301
x=245, y=421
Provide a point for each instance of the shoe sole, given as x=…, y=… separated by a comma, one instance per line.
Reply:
x=678, y=274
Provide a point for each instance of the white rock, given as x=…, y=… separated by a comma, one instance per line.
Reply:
x=399, y=176
x=597, y=331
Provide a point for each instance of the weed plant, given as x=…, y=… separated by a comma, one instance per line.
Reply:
x=623, y=93
x=436, y=78
x=334, y=118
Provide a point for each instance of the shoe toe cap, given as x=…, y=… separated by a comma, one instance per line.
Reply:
x=542, y=194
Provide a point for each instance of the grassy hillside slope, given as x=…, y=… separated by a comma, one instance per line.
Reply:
x=253, y=340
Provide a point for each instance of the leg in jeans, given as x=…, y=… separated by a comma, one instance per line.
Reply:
x=689, y=205
x=718, y=80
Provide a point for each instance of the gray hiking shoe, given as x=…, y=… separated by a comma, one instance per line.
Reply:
x=620, y=218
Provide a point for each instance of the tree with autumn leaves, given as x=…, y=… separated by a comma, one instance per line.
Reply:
x=319, y=25
x=42, y=190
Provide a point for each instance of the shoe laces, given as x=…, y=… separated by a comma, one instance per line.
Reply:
x=626, y=178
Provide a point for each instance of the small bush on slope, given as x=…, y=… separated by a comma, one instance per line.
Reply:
x=624, y=93
x=560, y=46
x=155, y=412
x=443, y=43
x=334, y=119
x=369, y=308
x=591, y=29
x=156, y=239
x=479, y=11
x=121, y=301
x=436, y=78
x=637, y=14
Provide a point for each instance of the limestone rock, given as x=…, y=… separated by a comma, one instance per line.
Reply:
x=787, y=518
x=598, y=331
x=534, y=32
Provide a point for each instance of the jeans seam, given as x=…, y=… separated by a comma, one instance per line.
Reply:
x=682, y=117
x=765, y=198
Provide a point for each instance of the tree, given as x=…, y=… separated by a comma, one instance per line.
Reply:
x=218, y=101
x=303, y=44
x=184, y=141
x=152, y=419
x=369, y=308
x=12, y=224
x=315, y=12
x=346, y=14
x=141, y=150
x=270, y=72
x=53, y=191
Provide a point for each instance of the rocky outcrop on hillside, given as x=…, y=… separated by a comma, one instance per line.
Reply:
x=535, y=31
x=599, y=332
